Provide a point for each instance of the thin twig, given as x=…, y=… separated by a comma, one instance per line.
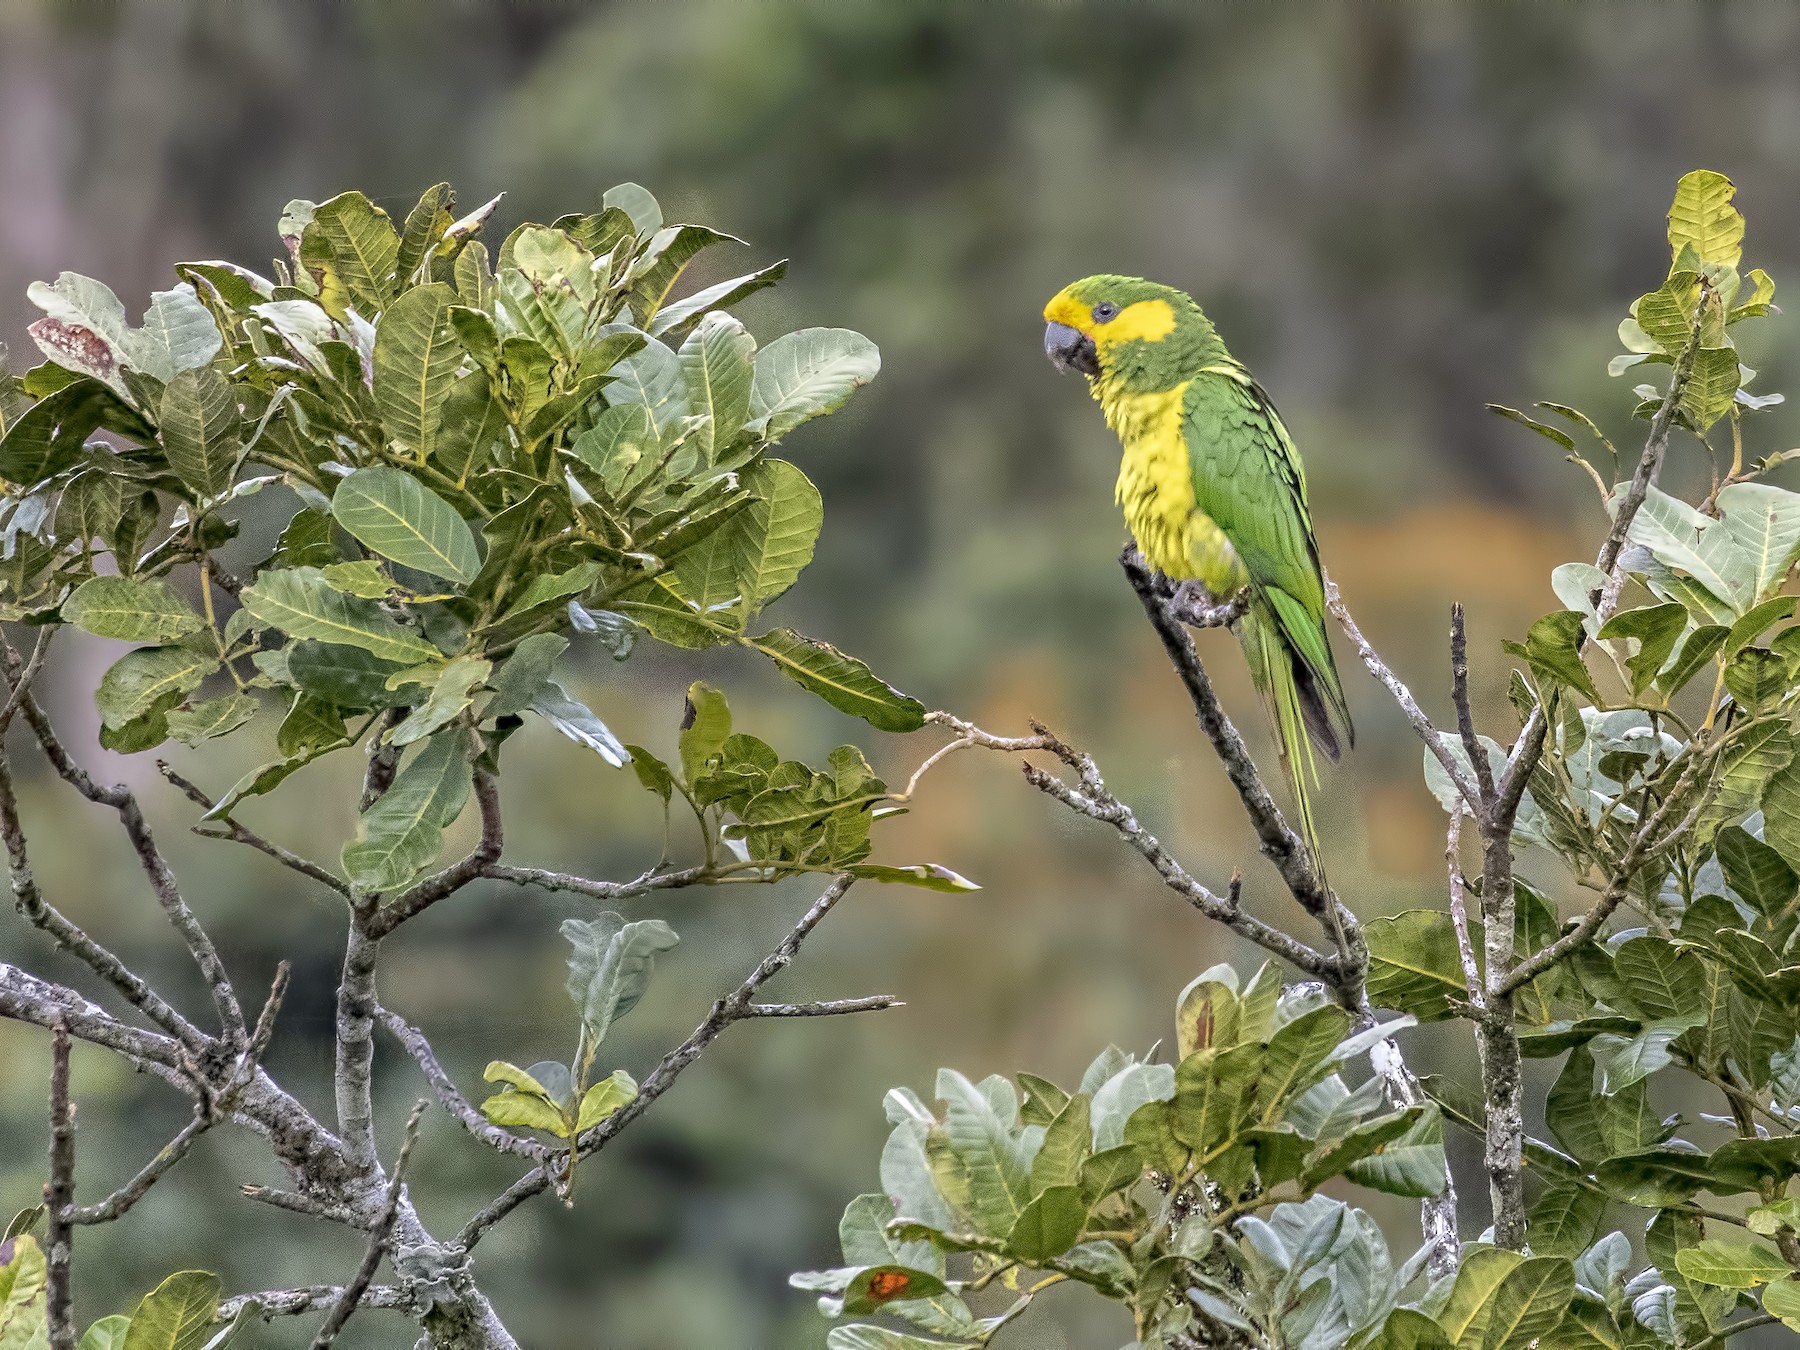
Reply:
x=272, y=1303
x=1459, y=913
x=734, y=1007
x=1402, y=696
x=59, y=1196
x=827, y=1008
x=1465, y=715
x=544, y=879
x=459, y=1106
x=240, y=834
x=23, y=679
x=210, y=1110
x=379, y=1236
x=296, y=1203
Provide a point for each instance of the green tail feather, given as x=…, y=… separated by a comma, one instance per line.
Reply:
x=1290, y=685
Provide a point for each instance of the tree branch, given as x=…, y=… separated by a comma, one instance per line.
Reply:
x=459, y=1106
x=239, y=834
x=59, y=1196
x=209, y=1111
x=734, y=1007
x=379, y=1237
x=596, y=890
x=826, y=1008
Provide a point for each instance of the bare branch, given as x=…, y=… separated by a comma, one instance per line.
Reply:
x=1278, y=843
x=547, y=880
x=1409, y=706
x=22, y=680
x=238, y=834
x=459, y=1106
x=26, y=998
x=137, y=829
x=732, y=1008
x=1465, y=715
x=272, y=1303
x=210, y=1110
x=355, y=1047
x=59, y=1196
x=295, y=1203
x=1459, y=914
x=379, y=1236
x=828, y=1008
x=66, y=934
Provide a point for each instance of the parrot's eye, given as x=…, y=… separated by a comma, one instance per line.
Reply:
x=1105, y=312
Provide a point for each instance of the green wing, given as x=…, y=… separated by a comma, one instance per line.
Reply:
x=1248, y=478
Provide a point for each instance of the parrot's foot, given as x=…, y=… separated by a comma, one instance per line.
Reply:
x=1198, y=607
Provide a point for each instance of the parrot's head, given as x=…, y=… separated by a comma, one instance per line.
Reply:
x=1127, y=331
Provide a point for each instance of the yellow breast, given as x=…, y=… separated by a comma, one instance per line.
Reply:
x=1156, y=489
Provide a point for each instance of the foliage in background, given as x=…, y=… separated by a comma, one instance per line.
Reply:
x=1656, y=763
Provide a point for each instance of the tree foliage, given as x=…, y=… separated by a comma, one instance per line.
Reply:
x=1654, y=769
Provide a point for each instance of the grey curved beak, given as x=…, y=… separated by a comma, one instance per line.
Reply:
x=1069, y=349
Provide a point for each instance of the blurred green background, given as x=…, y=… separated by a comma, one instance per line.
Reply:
x=1395, y=212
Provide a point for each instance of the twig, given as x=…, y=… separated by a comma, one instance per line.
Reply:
x=1096, y=802
x=355, y=1047
x=240, y=834
x=828, y=1008
x=1278, y=843
x=459, y=1106
x=1459, y=914
x=1465, y=715
x=1402, y=696
x=351, y=1297
x=547, y=880
x=162, y=881
x=59, y=1196
x=732, y=1008
x=296, y=1203
x=22, y=680
x=273, y=1303
x=1720, y=1336
x=210, y=1110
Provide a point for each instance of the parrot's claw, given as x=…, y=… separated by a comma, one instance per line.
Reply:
x=1198, y=607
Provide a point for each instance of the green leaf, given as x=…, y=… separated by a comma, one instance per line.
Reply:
x=49, y=436
x=1657, y=629
x=1756, y=873
x=416, y=358
x=177, y=1314
x=312, y=726
x=546, y=587
x=359, y=240
x=1701, y=646
x=424, y=228
x=1563, y=1221
x=651, y=772
x=879, y=1285
x=662, y=261
x=1049, y=1225
x=178, y=334
x=471, y=424
x=346, y=677
x=773, y=539
x=926, y=876
x=807, y=374
x=107, y=1334
x=1529, y=1303
x=1703, y=218
x=705, y=723
x=1756, y=679
x=522, y=1111
x=715, y=365
x=199, y=428
x=671, y=318
x=1067, y=1142
x=395, y=515
x=841, y=680
x=215, y=717
x=1658, y=978
x=137, y=611
x=986, y=1145
x=610, y=966
x=651, y=378
x=143, y=678
x=453, y=691
x=1465, y=1317
x=613, y=1093
x=1543, y=429
x=1688, y=543
x=523, y=675
x=1782, y=1298
x=1411, y=1165
x=1409, y=1329
x=621, y=439
x=1732, y=1263
x=1624, y=1060
x=1655, y=1177
x=363, y=577
x=1712, y=388
x=1764, y=521
x=402, y=833
x=300, y=603
x=1553, y=647
x=1414, y=966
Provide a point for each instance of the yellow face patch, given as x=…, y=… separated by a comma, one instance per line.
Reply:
x=1146, y=321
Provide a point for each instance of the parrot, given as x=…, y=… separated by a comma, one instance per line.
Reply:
x=1213, y=491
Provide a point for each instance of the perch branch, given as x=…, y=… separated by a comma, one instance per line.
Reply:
x=239, y=834
x=379, y=1237
x=59, y=1196
x=460, y=1108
